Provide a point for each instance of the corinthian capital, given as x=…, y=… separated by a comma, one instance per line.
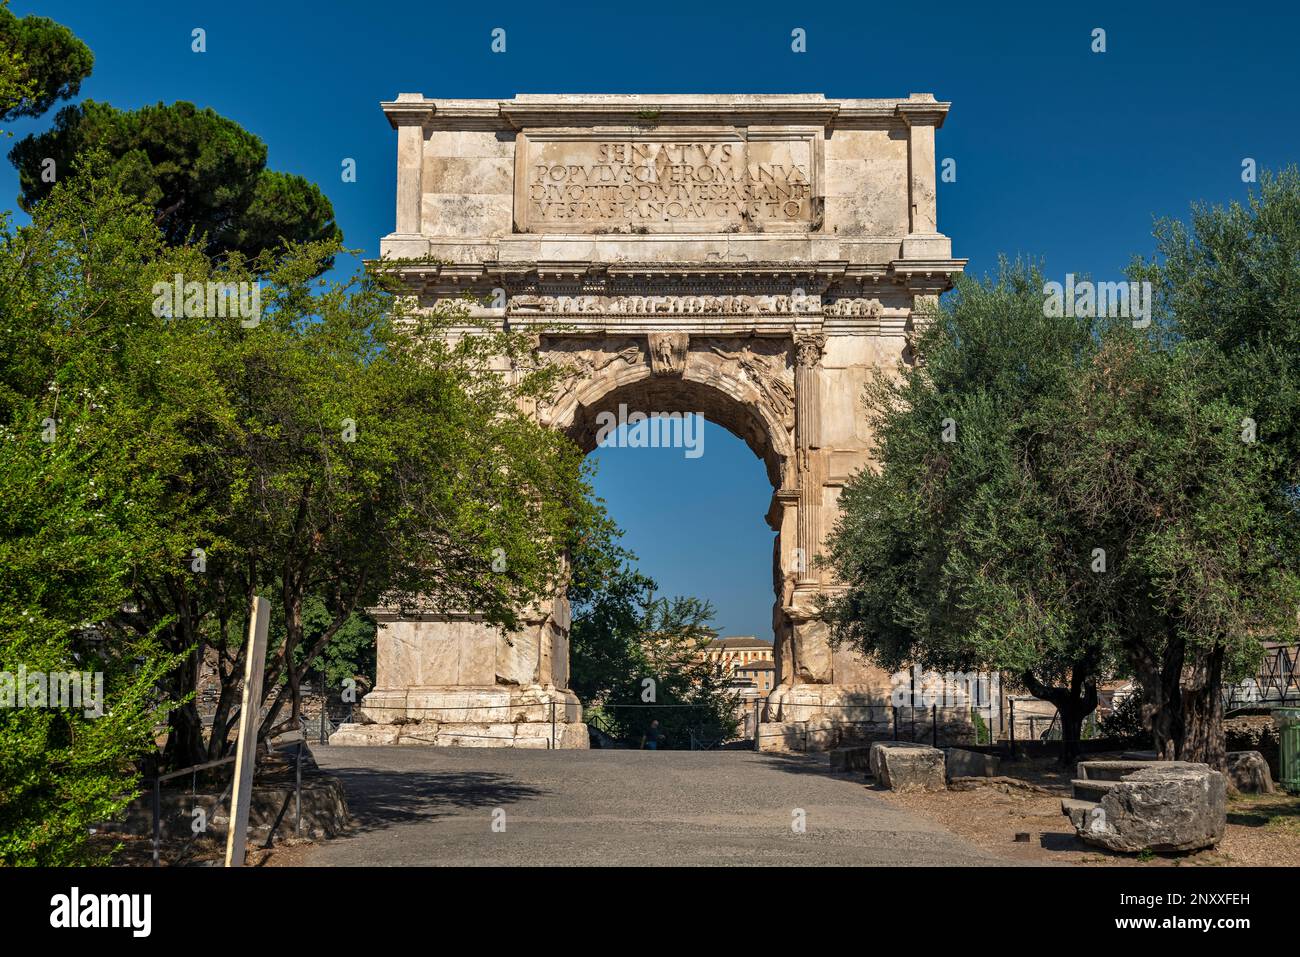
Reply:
x=808, y=348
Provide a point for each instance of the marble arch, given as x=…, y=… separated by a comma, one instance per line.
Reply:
x=751, y=258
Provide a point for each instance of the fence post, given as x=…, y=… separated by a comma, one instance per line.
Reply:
x=157, y=818
x=249, y=716
x=894, y=710
x=1012, y=703
x=934, y=725
x=297, y=790
x=324, y=699
x=552, y=725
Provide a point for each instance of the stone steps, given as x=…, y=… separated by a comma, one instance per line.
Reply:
x=1109, y=770
x=1077, y=811
x=1147, y=805
x=1091, y=790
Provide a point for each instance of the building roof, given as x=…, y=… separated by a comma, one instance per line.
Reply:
x=740, y=641
x=756, y=666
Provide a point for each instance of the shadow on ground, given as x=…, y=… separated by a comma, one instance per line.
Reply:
x=381, y=799
x=794, y=762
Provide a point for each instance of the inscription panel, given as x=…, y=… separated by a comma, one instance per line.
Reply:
x=714, y=181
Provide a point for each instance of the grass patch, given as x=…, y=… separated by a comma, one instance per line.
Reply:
x=1276, y=811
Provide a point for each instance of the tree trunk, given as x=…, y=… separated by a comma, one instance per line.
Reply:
x=185, y=736
x=1162, y=706
x=1074, y=710
x=1073, y=705
x=1203, y=738
x=184, y=745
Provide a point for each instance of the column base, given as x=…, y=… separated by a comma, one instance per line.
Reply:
x=819, y=717
x=496, y=717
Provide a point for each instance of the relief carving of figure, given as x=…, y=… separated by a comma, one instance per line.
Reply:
x=668, y=352
x=767, y=372
x=583, y=364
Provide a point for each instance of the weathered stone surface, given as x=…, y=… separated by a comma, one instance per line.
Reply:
x=780, y=736
x=1118, y=770
x=969, y=764
x=1248, y=772
x=903, y=766
x=366, y=734
x=1171, y=806
x=540, y=735
x=832, y=715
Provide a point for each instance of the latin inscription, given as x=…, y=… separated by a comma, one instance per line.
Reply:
x=592, y=186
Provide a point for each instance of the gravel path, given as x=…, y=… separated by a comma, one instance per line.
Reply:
x=418, y=806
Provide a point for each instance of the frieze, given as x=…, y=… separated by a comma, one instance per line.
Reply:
x=727, y=305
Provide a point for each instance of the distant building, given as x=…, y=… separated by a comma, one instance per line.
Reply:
x=733, y=653
x=758, y=673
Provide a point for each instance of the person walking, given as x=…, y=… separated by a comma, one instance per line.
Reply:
x=650, y=740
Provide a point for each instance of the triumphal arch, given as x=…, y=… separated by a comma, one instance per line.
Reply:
x=751, y=258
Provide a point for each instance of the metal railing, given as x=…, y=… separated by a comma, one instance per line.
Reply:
x=1276, y=682
x=193, y=771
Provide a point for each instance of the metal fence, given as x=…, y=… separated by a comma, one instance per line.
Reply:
x=1276, y=682
x=193, y=772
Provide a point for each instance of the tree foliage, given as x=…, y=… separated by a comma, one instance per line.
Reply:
x=41, y=62
x=85, y=455
x=337, y=452
x=1057, y=497
x=204, y=176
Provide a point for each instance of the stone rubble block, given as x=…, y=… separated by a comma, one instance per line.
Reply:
x=1164, y=806
x=1248, y=772
x=904, y=766
x=960, y=763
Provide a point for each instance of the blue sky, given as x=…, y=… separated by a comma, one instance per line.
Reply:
x=1062, y=154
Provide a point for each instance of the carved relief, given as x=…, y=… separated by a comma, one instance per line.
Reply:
x=668, y=352
x=763, y=363
x=583, y=361
x=724, y=305
x=869, y=308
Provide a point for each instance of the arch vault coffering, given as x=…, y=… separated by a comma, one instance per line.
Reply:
x=748, y=258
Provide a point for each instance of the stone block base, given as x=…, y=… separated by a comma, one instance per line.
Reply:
x=821, y=717
x=501, y=704
x=534, y=735
x=495, y=717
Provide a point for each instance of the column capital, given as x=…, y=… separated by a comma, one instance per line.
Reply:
x=808, y=348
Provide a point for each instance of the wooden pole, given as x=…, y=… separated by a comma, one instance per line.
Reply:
x=249, y=719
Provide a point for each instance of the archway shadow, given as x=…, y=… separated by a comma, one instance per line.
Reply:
x=382, y=799
x=816, y=763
